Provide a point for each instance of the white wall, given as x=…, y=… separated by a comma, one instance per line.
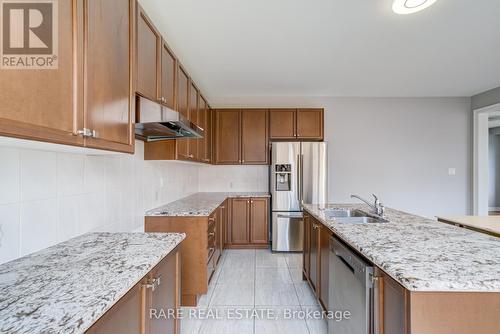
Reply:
x=398, y=148
x=233, y=178
x=48, y=197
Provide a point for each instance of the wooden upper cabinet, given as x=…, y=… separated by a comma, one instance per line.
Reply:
x=148, y=45
x=290, y=124
x=182, y=108
x=183, y=92
x=168, y=76
x=227, y=136
x=209, y=135
x=254, y=136
x=310, y=124
x=282, y=124
x=108, y=74
x=47, y=104
x=240, y=216
x=259, y=218
x=193, y=117
x=202, y=123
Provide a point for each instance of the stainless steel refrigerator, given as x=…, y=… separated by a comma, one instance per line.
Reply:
x=298, y=175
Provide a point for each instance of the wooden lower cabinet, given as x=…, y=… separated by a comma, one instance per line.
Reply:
x=200, y=251
x=324, y=264
x=132, y=313
x=314, y=253
x=391, y=304
x=259, y=217
x=240, y=219
x=248, y=225
x=316, y=257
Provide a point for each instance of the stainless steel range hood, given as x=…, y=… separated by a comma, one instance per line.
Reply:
x=155, y=122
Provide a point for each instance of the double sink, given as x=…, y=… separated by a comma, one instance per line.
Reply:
x=346, y=216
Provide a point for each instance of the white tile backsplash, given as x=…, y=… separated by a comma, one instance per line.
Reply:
x=38, y=175
x=9, y=175
x=48, y=197
x=234, y=178
x=9, y=232
x=38, y=225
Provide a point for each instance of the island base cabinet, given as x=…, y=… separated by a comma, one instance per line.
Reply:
x=146, y=307
x=248, y=224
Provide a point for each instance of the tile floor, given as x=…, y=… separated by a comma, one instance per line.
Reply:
x=256, y=292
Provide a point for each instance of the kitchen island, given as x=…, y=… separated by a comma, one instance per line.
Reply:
x=70, y=287
x=431, y=277
x=484, y=224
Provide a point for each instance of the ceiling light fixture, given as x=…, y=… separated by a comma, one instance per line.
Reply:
x=411, y=6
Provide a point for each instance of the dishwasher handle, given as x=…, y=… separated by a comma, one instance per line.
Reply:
x=344, y=261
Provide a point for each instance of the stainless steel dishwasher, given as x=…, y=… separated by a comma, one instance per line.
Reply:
x=350, y=289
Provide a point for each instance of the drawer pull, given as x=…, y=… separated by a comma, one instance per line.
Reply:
x=153, y=283
x=211, y=234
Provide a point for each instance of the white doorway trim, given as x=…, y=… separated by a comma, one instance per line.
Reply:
x=480, y=159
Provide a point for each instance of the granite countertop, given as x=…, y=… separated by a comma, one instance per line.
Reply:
x=422, y=254
x=199, y=204
x=488, y=224
x=67, y=287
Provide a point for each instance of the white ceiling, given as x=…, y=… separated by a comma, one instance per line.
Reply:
x=333, y=47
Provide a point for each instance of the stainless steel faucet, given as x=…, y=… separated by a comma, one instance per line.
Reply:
x=377, y=207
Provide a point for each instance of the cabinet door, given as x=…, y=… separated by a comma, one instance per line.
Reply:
x=164, y=297
x=148, y=46
x=109, y=97
x=324, y=254
x=240, y=220
x=254, y=137
x=168, y=72
x=193, y=117
x=46, y=104
x=390, y=304
x=306, y=260
x=282, y=123
x=227, y=137
x=314, y=256
x=209, y=135
x=125, y=316
x=259, y=218
x=202, y=123
x=182, y=108
x=310, y=124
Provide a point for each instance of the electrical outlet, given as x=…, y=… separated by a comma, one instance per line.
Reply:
x=452, y=171
x=162, y=182
x=231, y=184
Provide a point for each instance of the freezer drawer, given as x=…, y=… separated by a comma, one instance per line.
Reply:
x=287, y=228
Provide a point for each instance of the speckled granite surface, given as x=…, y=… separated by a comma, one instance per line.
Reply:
x=67, y=287
x=199, y=204
x=422, y=254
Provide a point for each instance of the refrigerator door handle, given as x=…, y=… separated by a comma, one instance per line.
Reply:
x=301, y=179
x=299, y=169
